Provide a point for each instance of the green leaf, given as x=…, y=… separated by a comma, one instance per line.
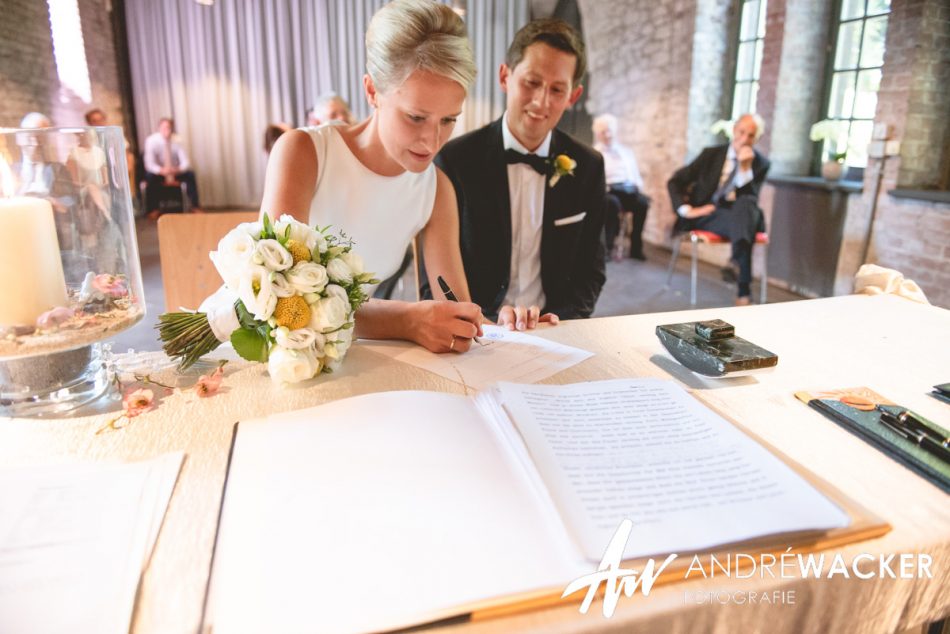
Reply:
x=284, y=239
x=249, y=344
x=268, y=232
x=245, y=318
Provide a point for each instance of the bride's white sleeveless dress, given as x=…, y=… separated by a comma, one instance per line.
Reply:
x=382, y=214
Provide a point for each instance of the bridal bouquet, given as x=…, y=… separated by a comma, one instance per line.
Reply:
x=289, y=296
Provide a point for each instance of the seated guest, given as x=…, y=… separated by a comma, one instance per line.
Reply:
x=271, y=133
x=531, y=236
x=719, y=192
x=329, y=107
x=96, y=117
x=167, y=164
x=624, y=185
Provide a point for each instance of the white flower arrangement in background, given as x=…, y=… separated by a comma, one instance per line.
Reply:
x=723, y=127
x=298, y=290
x=836, y=133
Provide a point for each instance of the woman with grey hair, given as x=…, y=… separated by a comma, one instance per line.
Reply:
x=375, y=180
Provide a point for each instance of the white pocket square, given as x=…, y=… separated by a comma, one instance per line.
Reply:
x=560, y=222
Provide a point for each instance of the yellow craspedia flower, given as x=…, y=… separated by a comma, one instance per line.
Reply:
x=564, y=163
x=299, y=251
x=292, y=312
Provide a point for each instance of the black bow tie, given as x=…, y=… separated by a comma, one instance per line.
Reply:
x=538, y=163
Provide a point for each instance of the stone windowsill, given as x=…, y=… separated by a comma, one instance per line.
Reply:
x=815, y=182
x=928, y=195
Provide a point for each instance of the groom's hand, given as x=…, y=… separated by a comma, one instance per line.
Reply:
x=522, y=318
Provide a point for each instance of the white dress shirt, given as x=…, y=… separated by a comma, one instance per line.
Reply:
x=620, y=165
x=526, y=193
x=742, y=177
x=154, y=154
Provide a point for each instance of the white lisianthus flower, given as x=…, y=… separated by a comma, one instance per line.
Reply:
x=338, y=342
x=273, y=255
x=321, y=246
x=299, y=232
x=252, y=229
x=328, y=314
x=282, y=287
x=339, y=271
x=234, y=251
x=335, y=290
x=296, y=339
x=292, y=366
x=354, y=261
x=257, y=291
x=307, y=277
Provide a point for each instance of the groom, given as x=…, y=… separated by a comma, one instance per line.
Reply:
x=531, y=234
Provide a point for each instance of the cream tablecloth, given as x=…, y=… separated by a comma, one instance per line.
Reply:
x=892, y=345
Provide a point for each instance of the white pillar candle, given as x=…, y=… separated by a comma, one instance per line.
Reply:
x=31, y=273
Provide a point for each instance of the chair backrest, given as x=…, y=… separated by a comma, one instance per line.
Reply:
x=184, y=241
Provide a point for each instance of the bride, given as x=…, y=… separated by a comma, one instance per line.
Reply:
x=375, y=180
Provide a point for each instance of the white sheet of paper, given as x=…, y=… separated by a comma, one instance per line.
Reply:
x=360, y=515
x=508, y=356
x=646, y=450
x=74, y=541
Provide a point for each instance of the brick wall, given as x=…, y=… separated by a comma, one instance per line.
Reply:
x=911, y=236
x=27, y=70
x=28, y=79
x=769, y=72
x=640, y=67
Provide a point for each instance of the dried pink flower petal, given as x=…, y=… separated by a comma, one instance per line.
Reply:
x=138, y=402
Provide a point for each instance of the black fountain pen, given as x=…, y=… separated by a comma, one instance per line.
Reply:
x=918, y=434
x=449, y=295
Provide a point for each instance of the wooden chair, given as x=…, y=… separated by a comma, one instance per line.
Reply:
x=697, y=237
x=184, y=241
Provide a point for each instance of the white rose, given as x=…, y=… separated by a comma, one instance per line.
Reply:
x=354, y=261
x=299, y=232
x=260, y=303
x=282, y=288
x=297, y=339
x=307, y=277
x=271, y=254
x=334, y=290
x=328, y=314
x=339, y=271
x=292, y=366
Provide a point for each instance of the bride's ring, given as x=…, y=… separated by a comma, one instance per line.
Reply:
x=452, y=345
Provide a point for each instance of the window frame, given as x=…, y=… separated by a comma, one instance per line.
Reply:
x=834, y=27
x=734, y=82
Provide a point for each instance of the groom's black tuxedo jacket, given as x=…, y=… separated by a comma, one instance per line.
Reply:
x=572, y=251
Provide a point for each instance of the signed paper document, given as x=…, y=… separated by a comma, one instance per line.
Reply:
x=74, y=541
x=505, y=356
x=398, y=508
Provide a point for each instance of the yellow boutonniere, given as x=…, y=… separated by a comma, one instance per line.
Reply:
x=563, y=166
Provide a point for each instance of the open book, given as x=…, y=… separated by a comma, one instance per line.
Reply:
x=392, y=509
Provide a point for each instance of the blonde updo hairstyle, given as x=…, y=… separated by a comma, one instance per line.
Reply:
x=409, y=35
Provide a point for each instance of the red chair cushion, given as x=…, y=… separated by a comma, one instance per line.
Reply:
x=708, y=237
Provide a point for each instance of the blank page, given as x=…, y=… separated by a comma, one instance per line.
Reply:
x=376, y=512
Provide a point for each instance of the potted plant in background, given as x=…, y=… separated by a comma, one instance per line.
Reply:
x=833, y=135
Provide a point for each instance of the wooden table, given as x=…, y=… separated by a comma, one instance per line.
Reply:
x=889, y=344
